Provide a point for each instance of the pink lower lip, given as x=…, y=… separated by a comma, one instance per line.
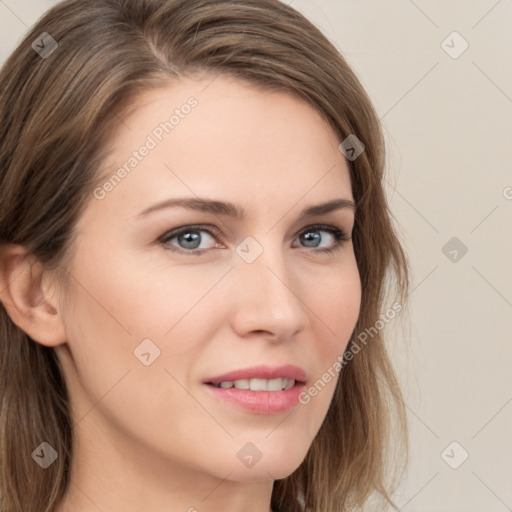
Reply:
x=261, y=402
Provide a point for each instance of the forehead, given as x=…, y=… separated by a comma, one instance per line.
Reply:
x=214, y=135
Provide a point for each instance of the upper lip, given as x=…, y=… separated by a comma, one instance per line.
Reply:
x=287, y=371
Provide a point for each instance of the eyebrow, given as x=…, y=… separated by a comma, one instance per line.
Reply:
x=231, y=210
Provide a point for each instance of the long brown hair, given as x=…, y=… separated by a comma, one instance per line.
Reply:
x=60, y=103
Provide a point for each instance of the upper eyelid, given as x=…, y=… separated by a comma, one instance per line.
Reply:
x=215, y=229
x=217, y=232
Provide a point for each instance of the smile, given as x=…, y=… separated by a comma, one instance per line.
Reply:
x=279, y=384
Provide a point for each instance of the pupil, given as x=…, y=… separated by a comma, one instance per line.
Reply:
x=311, y=236
x=191, y=237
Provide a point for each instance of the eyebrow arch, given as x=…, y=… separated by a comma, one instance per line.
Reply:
x=231, y=210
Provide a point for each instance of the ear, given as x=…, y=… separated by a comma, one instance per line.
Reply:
x=24, y=298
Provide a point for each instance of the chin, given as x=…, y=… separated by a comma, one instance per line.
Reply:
x=275, y=466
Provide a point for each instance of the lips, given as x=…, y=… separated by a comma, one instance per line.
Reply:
x=258, y=389
x=261, y=372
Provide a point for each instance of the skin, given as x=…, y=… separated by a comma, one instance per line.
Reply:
x=150, y=437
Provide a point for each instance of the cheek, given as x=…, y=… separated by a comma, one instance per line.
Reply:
x=112, y=314
x=334, y=310
x=165, y=301
x=336, y=305
x=146, y=297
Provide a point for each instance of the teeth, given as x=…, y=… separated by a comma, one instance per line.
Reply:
x=279, y=384
x=241, y=384
x=272, y=384
x=290, y=384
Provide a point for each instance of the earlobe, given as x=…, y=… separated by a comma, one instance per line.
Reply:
x=24, y=299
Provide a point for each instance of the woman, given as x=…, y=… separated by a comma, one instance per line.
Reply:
x=195, y=247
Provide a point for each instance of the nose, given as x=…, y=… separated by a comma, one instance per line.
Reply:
x=268, y=297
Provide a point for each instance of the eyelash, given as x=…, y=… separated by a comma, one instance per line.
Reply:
x=340, y=237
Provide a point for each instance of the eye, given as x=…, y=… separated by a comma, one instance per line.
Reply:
x=189, y=238
x=311, y=236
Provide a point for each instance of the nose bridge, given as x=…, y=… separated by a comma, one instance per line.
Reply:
x=270, y=293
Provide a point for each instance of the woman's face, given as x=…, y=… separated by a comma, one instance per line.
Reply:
x=153, y=319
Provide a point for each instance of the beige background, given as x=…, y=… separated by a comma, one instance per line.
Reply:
x=448, y=125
